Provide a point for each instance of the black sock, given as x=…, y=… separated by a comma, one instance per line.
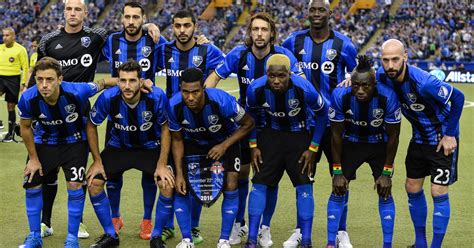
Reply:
x=11, y=121
x=49, y=194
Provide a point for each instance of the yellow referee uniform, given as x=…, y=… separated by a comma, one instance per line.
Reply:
x=14, y=61
x=33, y=59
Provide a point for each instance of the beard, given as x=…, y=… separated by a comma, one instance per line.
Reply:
x=137, y=31
x=396, y=73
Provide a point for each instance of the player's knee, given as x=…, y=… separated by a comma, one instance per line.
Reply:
x=231, y=183
x=96, y=187
x=168, y=192
x=11, y=106
x=413, y=185
x=437, y=190
x=73, y=185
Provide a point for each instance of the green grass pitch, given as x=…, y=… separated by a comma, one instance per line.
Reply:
x=363, y=221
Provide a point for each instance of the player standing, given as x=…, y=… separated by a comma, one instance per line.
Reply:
x=285, y=143
x=208, y=123
x=324, y=55
x=248, y=62
x=365, y=126
x=58, y=140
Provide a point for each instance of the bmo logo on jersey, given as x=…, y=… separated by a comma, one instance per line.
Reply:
x=308, y=65
x=245, y=80
x=86, y=60
x=145, y=64
x=173, y=73
x=131, y=128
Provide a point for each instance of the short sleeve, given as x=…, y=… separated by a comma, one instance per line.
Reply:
x=230, y=108
x=174, y=125
x=228, y=65
x=437, y=89
x=216, y=56
x=393, y=112
x=100, y=110
x=335, y=111
x=24, y=108
x=349, y=53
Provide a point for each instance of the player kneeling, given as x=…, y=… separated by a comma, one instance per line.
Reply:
x=365, y=125
x=140, y=139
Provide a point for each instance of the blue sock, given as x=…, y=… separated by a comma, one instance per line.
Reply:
x=387, y=218
x=272, y=197
x=195, y=211
x=75, y=206
x=305, y=205
x=34, y=204
x=257, y=202
x=102, y=210
x=164, y=209
x=441, y=214
x=243, y=192
x=334, y=212
x=418, y=212
x=149, y=196
x=170, y=222
x=343, y=221
x=230, y=206
x=114, y=187
x=182, y=209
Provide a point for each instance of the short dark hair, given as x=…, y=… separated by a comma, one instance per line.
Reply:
x=134, y=5
x=131, y=65
x=36, y=38
x=364, y=64
x=265, y=17
x=184, y=13
x=192, y=75
x=47, y=63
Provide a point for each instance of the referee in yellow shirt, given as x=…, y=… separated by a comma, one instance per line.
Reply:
x=13, y=72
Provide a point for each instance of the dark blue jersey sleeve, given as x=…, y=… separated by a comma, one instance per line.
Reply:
x=215, y=57
x=335, y=111
x=349, y=54
x=229, y=64
x=100, y=110
x=174, y=125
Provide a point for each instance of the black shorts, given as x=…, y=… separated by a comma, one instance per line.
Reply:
x=11, y=86
x=423, y=160
x=281, y=151
x=71, y=157
x=245, y=151
x=355, y=154
x=118, y=160
x=232, y=159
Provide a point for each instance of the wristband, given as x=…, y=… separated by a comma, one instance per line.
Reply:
x=336, y=169
x=313, y=146
x=252, y=143
x=387, y=170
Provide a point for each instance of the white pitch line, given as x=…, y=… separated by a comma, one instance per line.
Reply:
x=232, y=91
x=468, y=104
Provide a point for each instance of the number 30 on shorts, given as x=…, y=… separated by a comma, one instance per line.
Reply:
x=78, y=174
x=440, y=174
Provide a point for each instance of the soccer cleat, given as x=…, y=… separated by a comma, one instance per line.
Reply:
x=83, y=234
x=118, y=224
x=294, y=240
x=145, y=229
x=8, y=138
x=106, y=241
x=223, y=243
x=46, y=231
x=342, y=240
x=168, y=233
x=32, y=242
x=235, y=238
x=156, y=242
x=185, y=243
x=265, y=237
x=197, y=237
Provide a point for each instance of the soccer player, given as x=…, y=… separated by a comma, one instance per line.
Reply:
x=324, y=55
x=248, y=62
x=433, y=108
x=13, y=72
x=206, y=122
x=365, y=126
x=132, y=43
x=175, y=56
x=140, y=139
x=57, y=140
x=285, y=143
x=33, y=57
x=77, y=48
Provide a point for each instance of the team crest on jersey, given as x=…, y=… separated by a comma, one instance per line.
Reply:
x=86, y=41
x=332, y=113
x=377, y=113
x=412, y=97
x=213, y=119
x=197, y=60
x=70, y=108
x=146, y=51
x=146, y=115
x=293, y=103
x=443, y=92
x=331, y=54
